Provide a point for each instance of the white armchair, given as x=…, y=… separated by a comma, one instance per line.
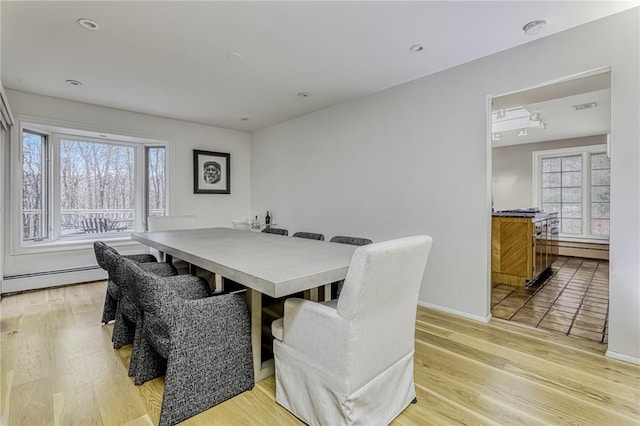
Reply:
x=350, y=361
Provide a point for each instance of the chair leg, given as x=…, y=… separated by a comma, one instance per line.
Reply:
x=149, y=364
x=123, y=332
x=109, y=310
x=415, y=400
x=137, y=338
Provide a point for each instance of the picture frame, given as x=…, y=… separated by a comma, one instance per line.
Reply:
x=211, y=172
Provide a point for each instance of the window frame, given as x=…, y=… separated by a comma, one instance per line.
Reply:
x=585, y=152
x=55, y=131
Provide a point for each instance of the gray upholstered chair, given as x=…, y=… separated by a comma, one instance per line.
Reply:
x=277, y=231
x=350, y=361
x=128, y=321
x=336, y=287
x=354, y=241
x=113, y=292
x=202, y=343
x=309, y=236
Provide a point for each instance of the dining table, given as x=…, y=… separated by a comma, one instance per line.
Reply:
x=264, y=263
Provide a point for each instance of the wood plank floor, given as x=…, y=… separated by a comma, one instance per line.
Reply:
x=58, y=367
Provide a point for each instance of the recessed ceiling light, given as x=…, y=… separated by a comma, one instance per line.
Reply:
x=244, y=118
x=234, y=56
x=416, y=48
x=74, y=82
x=304, y=94
x=534, y=27
x=88, y=24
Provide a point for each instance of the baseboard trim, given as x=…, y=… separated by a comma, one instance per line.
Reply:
x=455, y=312
x=40, y=280
x=622, y=357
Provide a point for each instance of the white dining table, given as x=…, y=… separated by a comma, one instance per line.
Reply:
x=269, y=264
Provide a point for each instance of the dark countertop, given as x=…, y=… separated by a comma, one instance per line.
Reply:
x=535, y=216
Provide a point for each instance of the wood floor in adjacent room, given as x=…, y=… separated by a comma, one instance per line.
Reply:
x=58, y=368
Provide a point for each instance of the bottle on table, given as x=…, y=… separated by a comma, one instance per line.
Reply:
x=267, y=220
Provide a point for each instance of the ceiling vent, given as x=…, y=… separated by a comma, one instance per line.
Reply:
x=581, y=107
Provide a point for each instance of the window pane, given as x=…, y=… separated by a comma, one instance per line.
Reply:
x=156, y=181
x=571, y=210
x=551, y=180
x=600, y=161
x=96, y=187
x=600, y=177
x=551, y=194
x=572, y=195
x=551, y=165
x=571, y=179
x=600, y=227
x=573, y=163
x=600, y=210
x=600, y=194
x=571, y=226
x=33, y=196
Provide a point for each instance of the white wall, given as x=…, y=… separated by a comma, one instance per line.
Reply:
x=183, y=137
x=416, y=159
x=512, y=185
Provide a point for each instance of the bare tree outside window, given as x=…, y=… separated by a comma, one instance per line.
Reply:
x=96, y=181
x=34, y=224
x=96, y=184
x=156, y=183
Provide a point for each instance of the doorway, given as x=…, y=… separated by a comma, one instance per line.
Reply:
x=549, y=152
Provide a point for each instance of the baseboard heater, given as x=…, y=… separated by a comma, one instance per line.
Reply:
x=587, y=250
x=47, y=279
x=58, y=271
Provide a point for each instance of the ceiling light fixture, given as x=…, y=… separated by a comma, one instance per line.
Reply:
x=244, y=118
x=495, y=136
x=234, y=56
x=534, y=27
x=518, y=118
x=416, y=48
x=74, y=82
x=304, y=94
x=589, y=105
x=88, y=24
x=522, y=132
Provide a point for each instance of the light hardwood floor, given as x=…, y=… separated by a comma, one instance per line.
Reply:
x=58, y=368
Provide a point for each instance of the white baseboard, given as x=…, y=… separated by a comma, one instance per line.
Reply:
x=622, y=357
x=53, y=279
x=455, y=312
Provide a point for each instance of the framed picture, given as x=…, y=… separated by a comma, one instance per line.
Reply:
x=211, y=172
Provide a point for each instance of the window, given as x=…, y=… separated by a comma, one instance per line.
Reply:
x=575, y=182
x=34, y=172
x=156, y=183
x=93, y=185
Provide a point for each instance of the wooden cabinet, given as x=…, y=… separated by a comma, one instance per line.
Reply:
x=522, y=248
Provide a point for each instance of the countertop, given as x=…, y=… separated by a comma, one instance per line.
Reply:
x=535, y=216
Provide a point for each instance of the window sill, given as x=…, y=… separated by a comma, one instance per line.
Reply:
x=72, y=244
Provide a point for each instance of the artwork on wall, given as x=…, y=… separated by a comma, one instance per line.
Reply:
x=211, y=172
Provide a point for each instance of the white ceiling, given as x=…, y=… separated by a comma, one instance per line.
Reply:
x=555, y=105
x=171, y=58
